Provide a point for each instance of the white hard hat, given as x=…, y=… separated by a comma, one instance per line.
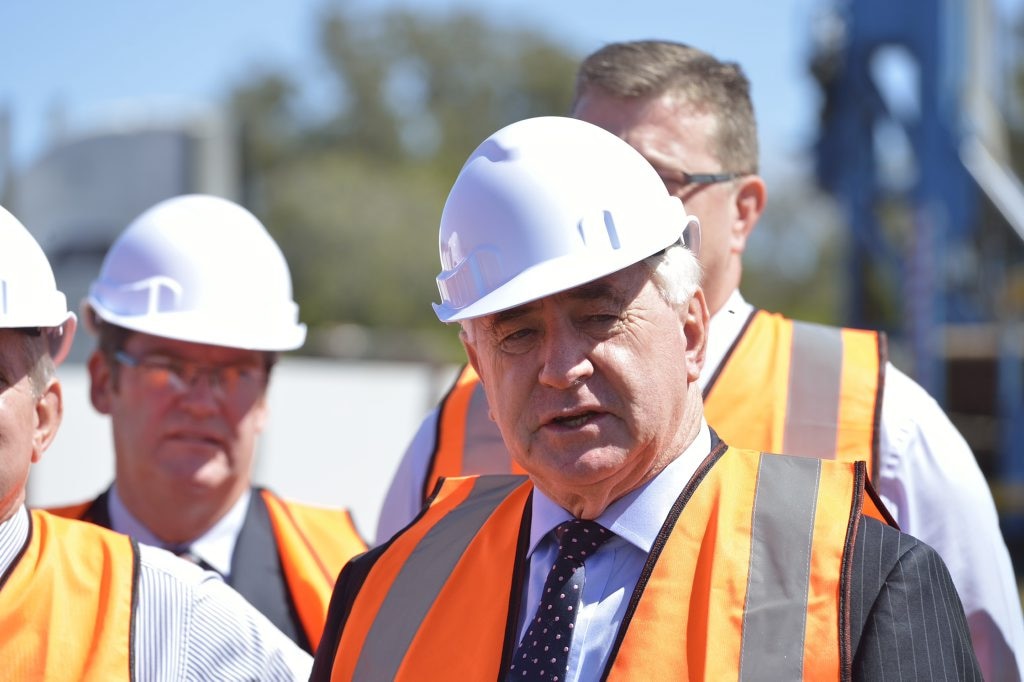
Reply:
x=545, y=205
x=201, y=269
x=28, y=291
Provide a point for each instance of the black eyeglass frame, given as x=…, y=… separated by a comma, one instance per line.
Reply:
x=707, y=178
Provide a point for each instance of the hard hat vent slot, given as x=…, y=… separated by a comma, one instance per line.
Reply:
x=598, y=232
x=162, y=294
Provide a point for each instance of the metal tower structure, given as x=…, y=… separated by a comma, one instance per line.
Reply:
x=914, y=152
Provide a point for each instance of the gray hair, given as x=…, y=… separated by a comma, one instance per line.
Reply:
x=675, y=272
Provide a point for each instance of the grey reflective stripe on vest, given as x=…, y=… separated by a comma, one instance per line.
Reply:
x=775, y=614
x=421, y=578
x=484, y=451
x=815, y=374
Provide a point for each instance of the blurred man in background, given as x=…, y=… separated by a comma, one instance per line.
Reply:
x=192, y=307
x=78, y=602
x=769, y=383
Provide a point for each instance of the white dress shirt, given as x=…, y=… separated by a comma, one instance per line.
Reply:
x=189, y=625
x=610, y=573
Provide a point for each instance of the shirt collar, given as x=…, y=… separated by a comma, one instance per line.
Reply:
x=215, y=546
x=725, y=326
x=636, y=517
x=13, y=535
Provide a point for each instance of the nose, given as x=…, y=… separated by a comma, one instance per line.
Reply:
x=565, y=360
x=201, y=395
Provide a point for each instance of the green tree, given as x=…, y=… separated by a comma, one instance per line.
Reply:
x=355, y=196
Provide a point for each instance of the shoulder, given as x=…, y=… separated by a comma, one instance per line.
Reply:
x=922, y=454
x=346, y=589
x=909, y=412
x=904, y=611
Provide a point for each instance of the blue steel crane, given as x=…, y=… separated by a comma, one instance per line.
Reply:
x=913, y=151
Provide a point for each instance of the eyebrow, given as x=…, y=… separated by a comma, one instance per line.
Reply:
x=592, y=291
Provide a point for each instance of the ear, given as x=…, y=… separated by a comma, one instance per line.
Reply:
x=101, y=385
x=48, y=415
x=470, y=352
x=474, y=362
x=750, y=198
x=695, y=326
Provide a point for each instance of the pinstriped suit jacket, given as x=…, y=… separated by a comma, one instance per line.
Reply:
x=906, y=619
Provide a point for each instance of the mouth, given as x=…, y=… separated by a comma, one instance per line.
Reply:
x=574, y=420
x=201, y=439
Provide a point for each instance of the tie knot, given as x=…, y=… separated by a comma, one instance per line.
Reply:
x=579, y=538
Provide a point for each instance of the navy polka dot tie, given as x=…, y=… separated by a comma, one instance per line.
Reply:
x=543, y=653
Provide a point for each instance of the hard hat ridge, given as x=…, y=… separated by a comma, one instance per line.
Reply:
x=542, y=206
x=201, y=269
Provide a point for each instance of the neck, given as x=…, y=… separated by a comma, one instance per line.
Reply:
x=177, y=518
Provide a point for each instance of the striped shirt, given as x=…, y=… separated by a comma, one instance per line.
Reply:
x=189, y=624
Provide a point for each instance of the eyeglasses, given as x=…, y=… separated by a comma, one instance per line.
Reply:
x=707, y=178
x=162, y=372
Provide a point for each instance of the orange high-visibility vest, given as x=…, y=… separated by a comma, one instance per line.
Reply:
x=314, y=543
x=785, y=386
x=66, y=604
x=800, y=388
x=437, y=599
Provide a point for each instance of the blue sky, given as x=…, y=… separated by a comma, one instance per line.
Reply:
x=92, y=58
x=89, y=59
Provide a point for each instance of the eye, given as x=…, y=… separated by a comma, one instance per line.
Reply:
x=518, y=340
x=603, y=318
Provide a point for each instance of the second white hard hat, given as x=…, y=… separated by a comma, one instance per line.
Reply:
x=545, y=205
x=202, y=269
x=29, y=297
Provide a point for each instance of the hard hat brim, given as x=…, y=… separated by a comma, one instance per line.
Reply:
x=546, y=279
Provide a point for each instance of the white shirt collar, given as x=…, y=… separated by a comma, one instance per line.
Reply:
x=638, y=516
x=216, y=546
x=725, y=326
x=13, y=534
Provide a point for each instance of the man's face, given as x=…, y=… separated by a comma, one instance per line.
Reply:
x=676, y=138
x=177, y=441
x=588, y=387
x=28, y=421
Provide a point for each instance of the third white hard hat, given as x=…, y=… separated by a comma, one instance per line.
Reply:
x=545, y=205
x=202, y=269
x=29, y=297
